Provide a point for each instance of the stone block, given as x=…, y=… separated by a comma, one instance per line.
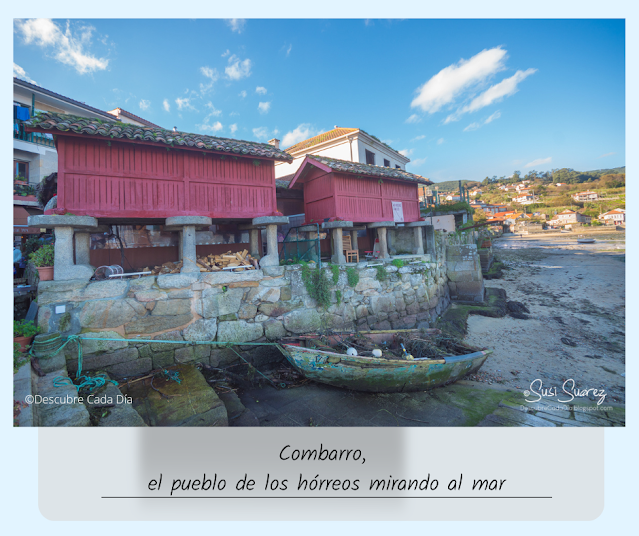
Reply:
x=274, y=270
x=105, y=289
x=90, y=346
x=274, y=330
x=275, y=282
x=303, y=321
x=148, y=295
x=142, y=283
x=172, y=307
x=177, y=280
x=201, y=330
x=285, y=293
x=224, y=278
x=131, y=368
x=185, y=354
x=247, y=311
x=278, y=309
x=102, y=361
x=153, y=324
x=367, y=284
x=163, y=359
x=239, y=331
x=381, y=304
x=106, y=314
x=216, y=303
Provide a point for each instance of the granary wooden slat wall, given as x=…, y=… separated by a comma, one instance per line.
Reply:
x=111, y=179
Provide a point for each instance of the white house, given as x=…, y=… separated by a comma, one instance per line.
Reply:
x=570, y=216
x=585, y=196
x=614, y=217
x=351, y=144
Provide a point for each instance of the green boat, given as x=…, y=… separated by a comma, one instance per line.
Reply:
x=379, y=375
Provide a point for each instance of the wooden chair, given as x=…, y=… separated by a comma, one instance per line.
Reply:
x=348, y=250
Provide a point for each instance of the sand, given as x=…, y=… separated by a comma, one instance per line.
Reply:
x=575, y=293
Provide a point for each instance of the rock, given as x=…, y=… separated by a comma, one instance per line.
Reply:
x=274, y=270
x=185, y=354
x=275, y=282
x=303, y=321
x=143, y=283
x=102, y=361
x=201, y=330
x=361, y=311
x=382, y=304
x=274, y=330
x=121, y=413
x=223, y=278
x=285, y=293
x=215, y=302
x=163, y=359
x=153, y=324
x=150, y=295
x=105, y=289
x=90, y=346
x=517, y=310
x=177, y=280
x=277, y=309
x=196, y=405
x=367, y=284
x=247, y=311
x=172, y=307
x=239, y=331
x=106, y=314
x=163, y=346
x=140, y=309
x=131, y=368
x=180, y=293
x=349, y=314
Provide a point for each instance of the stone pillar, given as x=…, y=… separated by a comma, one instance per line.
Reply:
x=254, y=244
x=419, y=241
x=82, y=248
x=272, y=257
x=381, y=227
x=337, y=244
x=64, y=227
x=383, y=243
x=186, y=226
x=180, y=245
x=338, y=247
x=354, y=243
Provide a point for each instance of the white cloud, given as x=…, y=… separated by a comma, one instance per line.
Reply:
x=489, y=119
x=418, y=161
x=166, y=105
x=66, y=46
x=214, y=111
x=144, y=104
x=19, y=72
x=236, y=25
x=440, y=141
x=261, y=133
x=238, y=69
x=207, y=127
x=602, y=156
x=301, y=133
x=288, y=50
x=406, y=152
x=232, y=114
x=184, y=104
x=420, y=137
x=495, y=93
x=443, y=88
x=226, y=53
x=242, y=93
x=212, y=75
x=233, y=128
x=260, y=90
x=539, y=162
x=413, y=119
x=264, y=107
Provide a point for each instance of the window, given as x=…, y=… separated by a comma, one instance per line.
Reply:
x=397, y=167
x=370, y=157
x=386, y=163
x=21, y=170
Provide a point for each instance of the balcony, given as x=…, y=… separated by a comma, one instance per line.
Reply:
x=19, y=133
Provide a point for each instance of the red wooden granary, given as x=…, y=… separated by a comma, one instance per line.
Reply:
x=360, y=193
x=118, y=171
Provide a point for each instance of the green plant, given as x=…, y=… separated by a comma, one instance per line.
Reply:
x=43, y=256
x=399, y=263
x=352, y=276
x=24, y=328
x=335, y=270
x=19, y=358
x=338, y=296
x=33, y=243
x=316, y=284
x=382, y=274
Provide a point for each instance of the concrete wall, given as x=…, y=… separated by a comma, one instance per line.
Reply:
x=465, y=279
x=258, y=305
x=443, y=223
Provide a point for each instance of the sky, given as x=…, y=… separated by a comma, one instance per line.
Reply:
x=463, y=99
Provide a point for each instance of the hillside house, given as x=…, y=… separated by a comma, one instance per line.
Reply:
x=568, y=217
x=614, y=217
x=585, y=196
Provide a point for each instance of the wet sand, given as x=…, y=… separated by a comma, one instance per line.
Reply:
x=576, y=330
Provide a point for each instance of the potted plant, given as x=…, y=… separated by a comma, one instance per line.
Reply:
x=42, y=259
x=23, y=333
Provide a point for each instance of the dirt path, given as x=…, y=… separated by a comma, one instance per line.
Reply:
x=576, y=329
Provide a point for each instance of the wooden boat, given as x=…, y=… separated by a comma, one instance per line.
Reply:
x=583, y=240
x=362, y=373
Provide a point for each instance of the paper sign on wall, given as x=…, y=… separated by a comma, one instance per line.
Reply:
x=398, y=211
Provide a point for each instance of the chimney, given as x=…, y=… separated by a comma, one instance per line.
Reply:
x=274, y=142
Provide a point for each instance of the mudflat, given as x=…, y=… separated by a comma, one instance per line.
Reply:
x=576, y=330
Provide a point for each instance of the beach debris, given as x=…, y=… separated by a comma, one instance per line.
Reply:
x=517, y=310
x=351, y=351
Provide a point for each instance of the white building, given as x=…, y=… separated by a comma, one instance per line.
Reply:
x=351, y=144
x=585, y=196
x=614, y=217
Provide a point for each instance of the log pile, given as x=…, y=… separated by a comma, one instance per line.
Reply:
x=235, y=262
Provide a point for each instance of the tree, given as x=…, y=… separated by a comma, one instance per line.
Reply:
x=479, y=216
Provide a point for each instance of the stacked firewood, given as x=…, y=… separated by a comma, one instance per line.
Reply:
x=235, y=262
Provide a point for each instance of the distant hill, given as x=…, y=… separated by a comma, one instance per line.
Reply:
x=611, y=171
x=449, y=186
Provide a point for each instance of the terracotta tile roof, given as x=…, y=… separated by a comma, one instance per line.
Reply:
x=367, y=169
x=121, y=111
x=320, y=138
x=116, y=129
x=284, y=180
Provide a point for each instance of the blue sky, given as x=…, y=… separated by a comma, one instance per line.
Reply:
x=462, y=98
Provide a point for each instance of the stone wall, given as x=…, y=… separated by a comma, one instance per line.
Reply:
x=252, y=306
x=465, y=279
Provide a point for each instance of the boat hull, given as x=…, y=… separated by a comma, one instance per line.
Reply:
x=381, y=375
